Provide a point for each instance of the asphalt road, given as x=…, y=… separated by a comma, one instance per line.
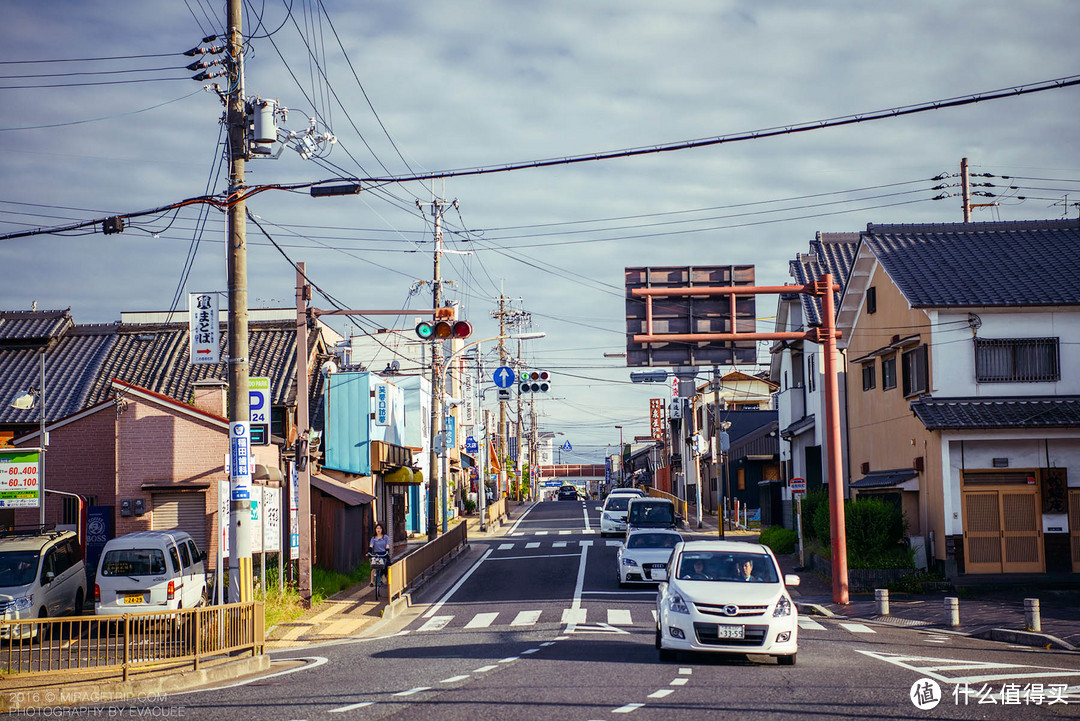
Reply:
x=533, y=625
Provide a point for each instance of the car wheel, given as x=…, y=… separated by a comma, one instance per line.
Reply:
x=666, y=655
x=786, y=660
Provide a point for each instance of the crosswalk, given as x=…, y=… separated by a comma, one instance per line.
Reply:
x=551, y=543
x=618, y=617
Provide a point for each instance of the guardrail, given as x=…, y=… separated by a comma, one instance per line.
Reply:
x=679, y=503
x=432, y=555
x=495, y=510
x=121, y=643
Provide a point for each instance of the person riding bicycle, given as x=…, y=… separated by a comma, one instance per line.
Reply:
x=379, y=547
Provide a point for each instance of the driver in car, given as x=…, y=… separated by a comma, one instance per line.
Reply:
x=747, y=571
x=696, y=572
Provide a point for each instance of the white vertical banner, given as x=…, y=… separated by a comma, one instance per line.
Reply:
x=468, y=399
x=271, y=510
x=203, y=336
x=224, y=517
x=294, y=511
x=256, y=532
x=240, y=460
x=382, y=404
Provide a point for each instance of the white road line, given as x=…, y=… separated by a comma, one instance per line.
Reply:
x=509, y=659
x=436, y=624
x=434, y=609
x=528, y=651
x=810, y=624
x=584, y=544
x=858, y=628
x=482, y=620
x=505, y=546
x=517, y=523
x=589, y=530
x=559, y=544
x=565, y=533
x=580, y=581
x=541, y=533
x=522, y=558
x=484, y=669
x=561, y=638
x=412, y=691
x=548, y=643
x=679, y=681
x=686, y=671
x=526, y=618
x=619, y=617
x=315, y=662
x=628, y=708
x=614, y=543
x=454, y=679
x=662, y=693
x=350, y=707
x=585, y=514
x=573, y=616
x=532, y=544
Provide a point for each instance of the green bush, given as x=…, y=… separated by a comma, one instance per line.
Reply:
x=819, y=523
x=781, y=540
x=811, y=502
x=470, y=505
x=874, y=530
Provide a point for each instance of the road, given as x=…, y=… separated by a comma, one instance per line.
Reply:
x=533, y=625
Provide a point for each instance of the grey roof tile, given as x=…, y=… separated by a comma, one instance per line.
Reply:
x=885, y=479
x=1028, y=263
x=18, y=327
x=983, y=413
x=832, y=253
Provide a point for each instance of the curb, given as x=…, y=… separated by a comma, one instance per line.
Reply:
x=1025, y=638
x=85, y=694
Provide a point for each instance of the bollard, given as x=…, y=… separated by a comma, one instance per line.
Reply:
x=881, y=596
x=952, y=611
x=1032, y=616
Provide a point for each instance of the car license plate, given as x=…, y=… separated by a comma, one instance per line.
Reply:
x=730, y=631
x=133, y=598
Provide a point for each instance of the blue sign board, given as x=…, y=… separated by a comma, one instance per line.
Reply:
x=450, y=436
x=566, y=447
x=471, y=446
x=504, y=376
x=607, y=470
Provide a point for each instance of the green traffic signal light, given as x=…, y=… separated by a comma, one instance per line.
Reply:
x=425, y=330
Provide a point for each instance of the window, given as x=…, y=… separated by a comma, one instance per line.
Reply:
x=175, y=558
x=1022, y=360
x=185, y=556
x=741, y=475
x=871, y=300
x=869, y=376
x=195, y=555
x=811, y=371
x=888, y=373
x=913, y=364
x=785, y=381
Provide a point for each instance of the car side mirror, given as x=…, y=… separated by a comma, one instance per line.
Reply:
x=49, y=576
x=202, y=555
x=659, y=574
x=791, y=580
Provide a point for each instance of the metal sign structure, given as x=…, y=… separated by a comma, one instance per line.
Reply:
x=686, y=321
x=19, y=473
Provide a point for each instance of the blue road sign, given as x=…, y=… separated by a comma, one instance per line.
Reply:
x=471, y=446
x=566, y=447
x=504, y=376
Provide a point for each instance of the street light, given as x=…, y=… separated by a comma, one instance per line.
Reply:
x=25, y=401
x=444, y=486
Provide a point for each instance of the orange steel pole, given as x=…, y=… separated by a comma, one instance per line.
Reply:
x=831, y=388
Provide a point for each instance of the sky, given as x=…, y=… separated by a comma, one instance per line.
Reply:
x=413, y=88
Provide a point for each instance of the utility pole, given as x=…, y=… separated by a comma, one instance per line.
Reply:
x=502, y=434
x=965, y=188
x=437, y=206
x=517, y=435
x=240, y=581
x=303, y=471
x=534, y=450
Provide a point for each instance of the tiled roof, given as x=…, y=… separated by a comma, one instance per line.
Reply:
x=1011, y=264
x=885, y=479
x=20, y=327
x=983, y=413
x=832, y=253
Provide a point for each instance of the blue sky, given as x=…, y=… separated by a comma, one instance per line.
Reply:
x=485, y=83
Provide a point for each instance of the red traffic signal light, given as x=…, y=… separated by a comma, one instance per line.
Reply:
x=461, y=329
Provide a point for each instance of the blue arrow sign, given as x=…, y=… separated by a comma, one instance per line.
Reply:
x=504, y=377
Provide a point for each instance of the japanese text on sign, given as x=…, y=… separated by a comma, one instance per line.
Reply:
x=19, y=479
x=203, y=328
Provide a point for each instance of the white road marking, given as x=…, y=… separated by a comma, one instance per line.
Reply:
x=685, y=671
x=614, y=543
x=533, y=544
x=584, y=544
x=315, y=662
x=526, y=618
x=505, y=546
x=589, y=530
x=857, y=628
x=517, y=523
x=585, y=514
x=436, y=624
x=528, y=651
x=350, y=707
x=810, y=624
x=412, y=691
x=559, y=544
x=509, y=659
x=679, y=681
x=522, y=558
x=573, y=616
x=565, y=533
x=595, y=628
x=628, y=708
x=580, y=581
x=619, y=617
x=935, y=668
x=482, y=620
x=461, y=581
x=662, y=693
x=548, y=643
x=484, y=669
x=454, y=679
x=541, y=533
x=561, y=638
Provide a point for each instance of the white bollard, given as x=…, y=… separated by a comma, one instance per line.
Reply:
x=881, y=596
x=952, y=611
x=1032, y=615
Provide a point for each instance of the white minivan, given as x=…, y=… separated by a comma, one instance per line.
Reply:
x=41, y=575
x=149, y=571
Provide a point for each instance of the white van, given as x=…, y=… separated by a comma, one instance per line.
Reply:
x=41, y=575
x=149, y=571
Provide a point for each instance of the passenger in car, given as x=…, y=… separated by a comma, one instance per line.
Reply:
x=747, y=573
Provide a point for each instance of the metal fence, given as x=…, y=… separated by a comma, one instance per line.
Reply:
x=118, y=644
x=494, y=511
x=404, y=572
x=680, y=504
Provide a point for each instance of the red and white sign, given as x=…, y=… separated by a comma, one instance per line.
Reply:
x=797, y=485
x=203, y=328
x=656, y=418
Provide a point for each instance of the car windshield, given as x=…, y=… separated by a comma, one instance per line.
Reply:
x=133, y=562
x=726, y=566
x=617, y=503
x=18, y=568
x=642, y=513
x=653, y=540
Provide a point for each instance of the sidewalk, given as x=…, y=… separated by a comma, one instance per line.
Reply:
x=353, y=610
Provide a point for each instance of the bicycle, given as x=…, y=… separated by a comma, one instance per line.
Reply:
x=379, y=564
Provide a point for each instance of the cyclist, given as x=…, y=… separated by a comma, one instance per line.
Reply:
x=379, y=548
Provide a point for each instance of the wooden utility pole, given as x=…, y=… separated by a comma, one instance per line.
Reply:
x=502, y=434
x=303, y=504
x=437, y=206
x=240, y=580
x=965, y=188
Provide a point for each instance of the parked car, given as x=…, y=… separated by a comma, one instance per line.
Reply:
x=613, y=514
x=42, y=574
x=727, y=597
x=150, y=571
x=651, y=513
x=569, y=493
x=645, y=550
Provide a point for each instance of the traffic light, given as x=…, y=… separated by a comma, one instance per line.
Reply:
x=535, y=382
x=444, y=327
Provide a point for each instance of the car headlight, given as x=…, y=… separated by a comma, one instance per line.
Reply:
x=783, y=607
x=608, y=517
x=676, y=604
x=629, y=562
x=21, y=604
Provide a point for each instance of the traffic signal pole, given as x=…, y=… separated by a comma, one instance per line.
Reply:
x=437, y=206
